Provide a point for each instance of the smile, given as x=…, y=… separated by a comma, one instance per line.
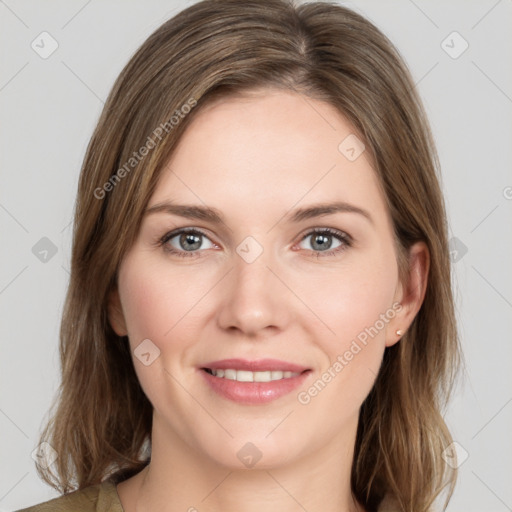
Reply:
x=248, y=376
x=253, y=382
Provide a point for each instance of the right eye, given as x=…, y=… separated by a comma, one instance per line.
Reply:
x=184, y=242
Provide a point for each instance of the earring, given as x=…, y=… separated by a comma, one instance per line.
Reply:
x=399, y=332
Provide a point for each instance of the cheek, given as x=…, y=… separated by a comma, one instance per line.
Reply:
x=356, y=303
x=143, y=299
x=358, y=308
x=156, y=300
x=158, y=305
x=354, y=298
x=166, y=306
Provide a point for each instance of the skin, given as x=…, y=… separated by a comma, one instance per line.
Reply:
x=256, y=159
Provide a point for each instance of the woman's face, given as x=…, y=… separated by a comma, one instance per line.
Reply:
x=251, y=180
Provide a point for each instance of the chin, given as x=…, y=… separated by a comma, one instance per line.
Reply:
x=254, y=450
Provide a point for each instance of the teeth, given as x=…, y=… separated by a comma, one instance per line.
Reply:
x=262, y=376
x=246, y=376
x=229, y=374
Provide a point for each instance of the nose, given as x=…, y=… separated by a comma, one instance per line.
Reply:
x=255, y=299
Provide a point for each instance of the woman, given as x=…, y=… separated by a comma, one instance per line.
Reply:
x=259, y=313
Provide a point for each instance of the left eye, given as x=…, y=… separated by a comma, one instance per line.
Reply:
x=322, y=240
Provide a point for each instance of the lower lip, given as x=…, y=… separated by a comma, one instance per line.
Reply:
x=254, y=392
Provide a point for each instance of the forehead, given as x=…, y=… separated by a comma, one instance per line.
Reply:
x=266, y=152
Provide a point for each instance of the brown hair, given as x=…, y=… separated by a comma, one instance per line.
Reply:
x=214, y=49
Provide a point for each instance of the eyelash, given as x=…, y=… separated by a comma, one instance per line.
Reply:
x=340, y=235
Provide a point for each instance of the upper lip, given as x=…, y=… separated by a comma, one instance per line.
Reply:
x=258, y=365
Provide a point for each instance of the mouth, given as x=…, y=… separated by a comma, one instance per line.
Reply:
x=248, y=376
x=253, y=382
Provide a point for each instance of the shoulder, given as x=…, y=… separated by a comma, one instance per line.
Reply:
x=96, y=498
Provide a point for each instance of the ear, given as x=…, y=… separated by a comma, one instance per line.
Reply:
x=411, y=294
x=115, y=313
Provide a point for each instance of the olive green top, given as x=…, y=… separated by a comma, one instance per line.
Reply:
x=104, y=498
x=96, y=498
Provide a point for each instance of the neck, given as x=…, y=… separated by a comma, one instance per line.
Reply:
x=182, y=479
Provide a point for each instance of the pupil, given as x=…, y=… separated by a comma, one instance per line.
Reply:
x=323, y=242
x=189, y=238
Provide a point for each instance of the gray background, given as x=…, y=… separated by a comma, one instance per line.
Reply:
x=49, y=107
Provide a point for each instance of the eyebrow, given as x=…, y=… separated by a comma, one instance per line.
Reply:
x=215, y=216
